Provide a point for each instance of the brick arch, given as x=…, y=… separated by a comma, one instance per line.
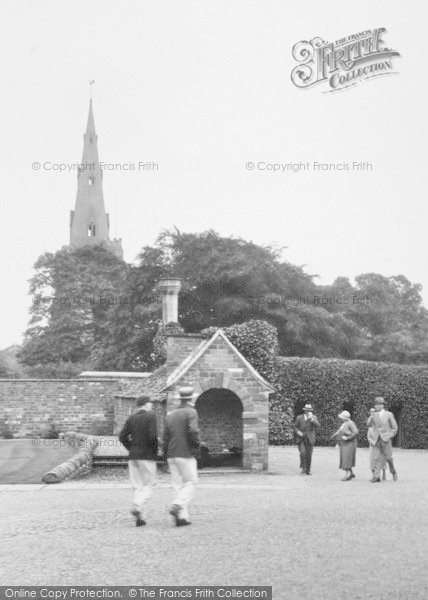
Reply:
x=227, y=383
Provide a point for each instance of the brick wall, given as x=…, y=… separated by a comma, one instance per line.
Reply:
x=28, y=406
x=178, y=347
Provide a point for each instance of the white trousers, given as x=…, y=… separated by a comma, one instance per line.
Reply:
x=184, y=475
x=142, y=474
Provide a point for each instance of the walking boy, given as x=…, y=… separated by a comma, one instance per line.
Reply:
x=139, y=436
x=181, y=446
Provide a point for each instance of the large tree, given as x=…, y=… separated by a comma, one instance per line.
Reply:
x=225, y=280
x=72, y=292
x=389, y=313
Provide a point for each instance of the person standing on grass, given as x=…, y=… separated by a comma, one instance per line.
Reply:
x=139, y=436
x=181, y=446
x=384, y=428
x=305, y=427
x=346, y=436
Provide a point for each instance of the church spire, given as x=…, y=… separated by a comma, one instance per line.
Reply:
x=89, y=222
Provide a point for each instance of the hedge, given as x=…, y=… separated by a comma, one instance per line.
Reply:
x=333, y=384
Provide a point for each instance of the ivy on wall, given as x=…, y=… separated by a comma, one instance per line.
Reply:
x=159, y=341
x=257, y=341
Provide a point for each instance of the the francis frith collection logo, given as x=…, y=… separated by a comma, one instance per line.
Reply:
x=342, y=63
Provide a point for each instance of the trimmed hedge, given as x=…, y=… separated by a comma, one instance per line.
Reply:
x=330, y=383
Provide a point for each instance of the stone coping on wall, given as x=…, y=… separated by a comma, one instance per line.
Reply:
x=185, y=335
x=74, y=380
x=80, y=463
x=115, y=374
x=82, y=378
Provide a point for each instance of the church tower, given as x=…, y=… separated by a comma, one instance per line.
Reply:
x=89, y=222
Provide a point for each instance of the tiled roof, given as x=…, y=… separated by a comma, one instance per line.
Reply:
x=151, y=385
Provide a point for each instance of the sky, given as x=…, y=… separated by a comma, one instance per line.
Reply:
x=201, y=88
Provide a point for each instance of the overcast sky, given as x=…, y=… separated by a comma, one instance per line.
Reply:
x=201, y=88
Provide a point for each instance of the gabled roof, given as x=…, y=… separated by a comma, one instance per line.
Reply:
x=151, y=385
x=190, y=360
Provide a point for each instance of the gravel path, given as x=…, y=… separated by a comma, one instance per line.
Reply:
x=309, y=537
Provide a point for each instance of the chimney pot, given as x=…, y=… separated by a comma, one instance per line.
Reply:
x=169, y=288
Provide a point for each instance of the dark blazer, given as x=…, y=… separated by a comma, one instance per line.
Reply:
x=181, y=437
x=308, y=428
x=139, y=435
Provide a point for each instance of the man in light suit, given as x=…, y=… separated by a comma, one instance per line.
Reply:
x=383, y=428
x=305, y=427
x=181, y=446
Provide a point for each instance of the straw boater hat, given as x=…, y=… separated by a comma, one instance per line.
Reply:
x=344, y=415
x=308, y=407
x=187, y=394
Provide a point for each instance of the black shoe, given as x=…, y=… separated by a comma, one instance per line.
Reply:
x=308, y=473
x=395, y=476
x=182, y=522
x=139, y=522
x=174, y=510
x=375, y=480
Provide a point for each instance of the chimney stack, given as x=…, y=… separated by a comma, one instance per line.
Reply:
x=169, y=288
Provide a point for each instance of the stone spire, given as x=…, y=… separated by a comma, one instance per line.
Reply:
x=89, y=222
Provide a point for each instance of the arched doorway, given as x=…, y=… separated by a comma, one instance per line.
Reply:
x=221, y=428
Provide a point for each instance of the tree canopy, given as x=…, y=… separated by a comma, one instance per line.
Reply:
x=225, y=281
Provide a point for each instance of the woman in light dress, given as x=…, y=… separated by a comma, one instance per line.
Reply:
x=346, y=437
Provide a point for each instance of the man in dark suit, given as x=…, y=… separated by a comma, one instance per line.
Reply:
x=305, y=427
x=181, y=446
x=139, y=436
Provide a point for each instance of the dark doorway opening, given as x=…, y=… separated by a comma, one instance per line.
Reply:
x=221, y=428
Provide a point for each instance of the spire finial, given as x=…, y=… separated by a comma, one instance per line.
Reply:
x=91, y=83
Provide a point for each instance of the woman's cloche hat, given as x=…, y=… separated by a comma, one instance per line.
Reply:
x=344, y=415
